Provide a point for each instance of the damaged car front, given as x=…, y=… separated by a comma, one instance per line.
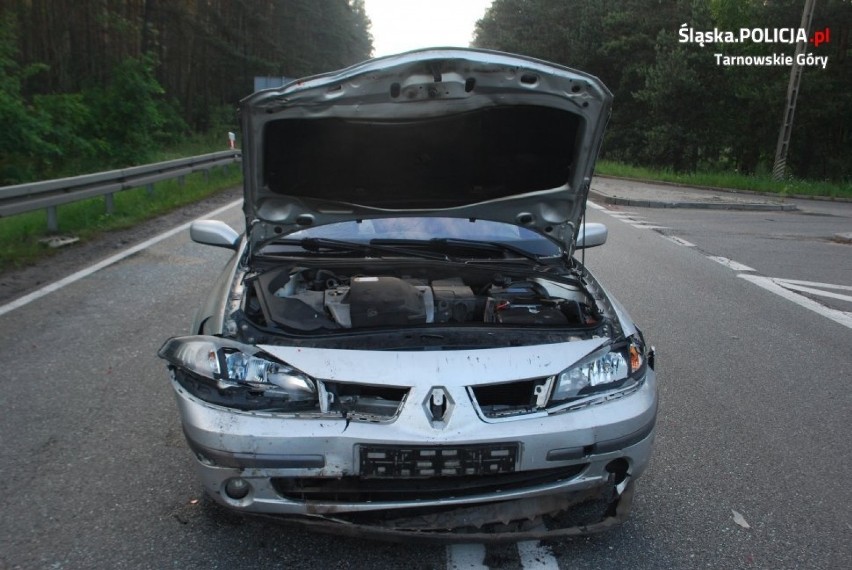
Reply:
x=404, y=344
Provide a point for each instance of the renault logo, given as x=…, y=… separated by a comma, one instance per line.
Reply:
x=438, y=406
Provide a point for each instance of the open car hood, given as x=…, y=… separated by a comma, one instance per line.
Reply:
x=440, y=132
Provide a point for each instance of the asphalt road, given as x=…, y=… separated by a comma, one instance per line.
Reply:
x=755, y=413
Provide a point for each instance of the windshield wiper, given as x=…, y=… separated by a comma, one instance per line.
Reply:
x=445, y=245
x=489, y=245
x=319, y=245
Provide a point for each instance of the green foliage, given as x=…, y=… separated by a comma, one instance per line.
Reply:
x=88, y=86
x=88, y=219
x=729, y=180
x=671, y=87
x=222, y=120
x=22, y=135
x=675, y=107
x=116, y=125
x=132, y=118
x=69, y=117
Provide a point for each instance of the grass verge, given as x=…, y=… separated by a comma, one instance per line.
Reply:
x=192, y=146
x=86, y=219
x=731, y=180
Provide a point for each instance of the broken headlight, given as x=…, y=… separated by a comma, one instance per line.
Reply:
x=233, y=374
x=605, y=369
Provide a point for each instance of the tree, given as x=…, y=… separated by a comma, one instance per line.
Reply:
x=22, y=135
x=675, y=105
x=99, y=83
x=207, y=53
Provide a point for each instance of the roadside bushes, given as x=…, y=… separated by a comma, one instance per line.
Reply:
x=115, y=125
x=129, y=117
x=677, y=106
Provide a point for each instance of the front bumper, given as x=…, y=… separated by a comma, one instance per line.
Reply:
x=547, y=525
x=573, y=471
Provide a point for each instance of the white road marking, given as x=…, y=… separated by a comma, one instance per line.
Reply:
x=466, y=557
x=730, y=263
x=595, y=206
x=818, y=292
x=536, y=556
x=842, y=317
x=815, y=284
x=785, y=288
x=642, y=226
x=679, y=241
x=55, y=286
x=635, y=221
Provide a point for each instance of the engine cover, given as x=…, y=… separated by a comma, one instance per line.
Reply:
x=385, y=301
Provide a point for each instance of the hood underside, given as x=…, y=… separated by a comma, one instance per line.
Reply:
x=443, y=132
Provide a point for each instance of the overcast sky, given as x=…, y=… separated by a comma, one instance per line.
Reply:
x=402, y=25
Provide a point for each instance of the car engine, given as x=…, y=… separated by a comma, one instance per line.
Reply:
x=310, y=299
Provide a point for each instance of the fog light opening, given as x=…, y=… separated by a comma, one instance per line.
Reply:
x=204, y=460
x=619, y=469
x=237, y=488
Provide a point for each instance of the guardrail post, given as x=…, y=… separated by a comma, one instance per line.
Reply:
x=181, y=180
x=52, y=219
x=110, y=204
x=206, y=175
x=149, y=188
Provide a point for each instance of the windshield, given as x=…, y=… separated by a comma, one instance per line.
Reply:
x=428, y=228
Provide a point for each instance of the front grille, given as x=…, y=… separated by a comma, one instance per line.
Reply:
x=357, y=489
x=509, y=398
x=363, y=402
x=422, y=461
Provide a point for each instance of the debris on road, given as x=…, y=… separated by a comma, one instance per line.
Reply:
x=58, y=241
x=740, y=520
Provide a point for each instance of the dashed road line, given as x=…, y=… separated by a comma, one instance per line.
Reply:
x=624, y=216
x=789, y=289
x=536, y=556
x=642, y=226
x=730, y=263
x=466, y=556
x=679, y=241
x=532, y=555
x=634, y=220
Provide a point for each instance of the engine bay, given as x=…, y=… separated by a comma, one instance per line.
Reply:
x=313, y=299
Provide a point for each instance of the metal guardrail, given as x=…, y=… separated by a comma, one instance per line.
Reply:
x=49, y=194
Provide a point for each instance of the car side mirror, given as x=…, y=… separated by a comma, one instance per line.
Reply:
x=591, y=235
x=215, y=233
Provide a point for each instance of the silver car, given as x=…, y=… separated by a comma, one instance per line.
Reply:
x=403, y=344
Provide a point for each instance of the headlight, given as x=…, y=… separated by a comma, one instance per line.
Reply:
x=233, y=374
x=260, y=373
x=604, y=369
